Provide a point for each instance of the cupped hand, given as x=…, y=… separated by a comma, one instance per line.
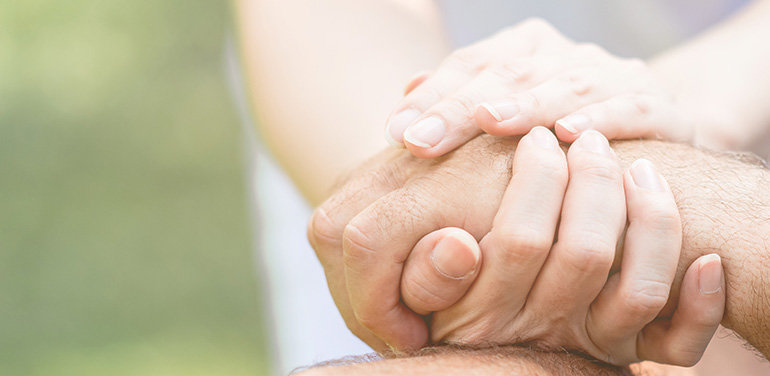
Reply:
x=365, y=231
x=531, y=75
x=558, y=295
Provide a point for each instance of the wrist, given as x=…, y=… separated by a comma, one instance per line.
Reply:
x=725, y=209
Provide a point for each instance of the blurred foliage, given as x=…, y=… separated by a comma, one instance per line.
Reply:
x=124, y=237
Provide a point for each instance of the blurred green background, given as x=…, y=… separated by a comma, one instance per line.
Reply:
x=124, y=235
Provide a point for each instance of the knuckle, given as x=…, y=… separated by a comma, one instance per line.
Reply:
x=420, y=294
x=639, y=103
x=589, y=253
x=461, y=103
x=646, y=297
x=467, y=59
x=553, y=168
x=537, y=105
x=323, y=233
x=579, y=83
x=521, y=243
x=390, y=176
x=425, y=94
x=514, y=73
x=602, y=170
x=357, y=246
x=662, y=219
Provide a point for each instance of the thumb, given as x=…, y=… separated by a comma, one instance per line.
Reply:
x=439, y=270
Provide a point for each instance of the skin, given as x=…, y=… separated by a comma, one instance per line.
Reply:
x=488, y=362
x=305, y=67
x=725, y=356
x=280, y=75
x=558, y=295
x=720, y=201
x=532, y=75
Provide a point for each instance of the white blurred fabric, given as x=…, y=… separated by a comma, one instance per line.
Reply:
x=303, y=323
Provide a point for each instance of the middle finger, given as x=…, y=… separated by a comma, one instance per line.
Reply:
x=593, y=217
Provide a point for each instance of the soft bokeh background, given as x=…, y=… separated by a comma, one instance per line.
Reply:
x=124, y=235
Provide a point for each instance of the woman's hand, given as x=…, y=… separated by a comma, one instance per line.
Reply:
x=531, y=290
x=531, y=75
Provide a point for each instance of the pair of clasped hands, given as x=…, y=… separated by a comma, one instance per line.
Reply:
x=472, y=243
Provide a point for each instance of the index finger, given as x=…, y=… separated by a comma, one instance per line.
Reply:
x=528, y=38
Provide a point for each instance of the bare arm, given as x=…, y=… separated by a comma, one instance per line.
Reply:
x=450, y=361
x=725, y=208
x=318, y=69
x=722, y=78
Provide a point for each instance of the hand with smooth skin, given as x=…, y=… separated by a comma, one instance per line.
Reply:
x=711, y=90
x=365, y=232
x=530, y=290
x=531, y=75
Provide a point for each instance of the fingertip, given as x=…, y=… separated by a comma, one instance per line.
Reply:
x=710, y=274
x=425, y=137
x=683, y=340
x=391, y=140
x=422, y=151
x=487, y=119
x=440, y=269
x=569, y=128
x=543, y=137
x=491, y=111
x=645, y=176
x=456, y=255
x=702, y=297
x=563, y=135
x=592, y=141
x=490, y=117
x=397, y=124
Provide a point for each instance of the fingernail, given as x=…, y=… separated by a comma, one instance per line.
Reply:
x=543, y=137
x=710, y=274
x=594, y=142
x=574, y=123
x=501, y=110
x=397, y=124
x=426, y=133
x=645, y=176
x=451, y=259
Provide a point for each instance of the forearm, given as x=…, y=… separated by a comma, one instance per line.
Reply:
x=721, y=78
x=725, y=208
x=317, y=70
x=458, y=360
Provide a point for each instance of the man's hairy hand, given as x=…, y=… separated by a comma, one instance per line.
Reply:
x=365, y=231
